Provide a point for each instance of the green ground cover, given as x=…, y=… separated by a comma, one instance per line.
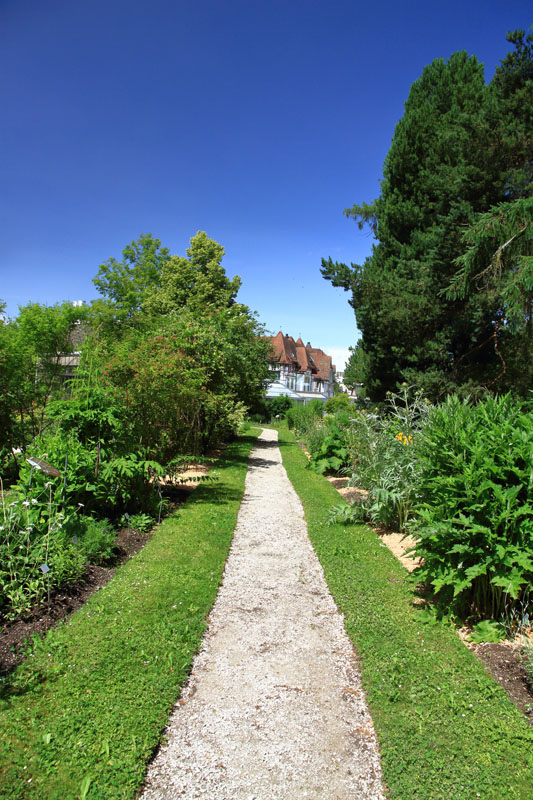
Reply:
x=445, y=728
x=82, y=716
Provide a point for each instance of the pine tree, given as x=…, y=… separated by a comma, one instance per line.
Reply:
x=445, y=166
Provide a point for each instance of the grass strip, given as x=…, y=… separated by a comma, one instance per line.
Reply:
x=82, y=716
x=445, y=728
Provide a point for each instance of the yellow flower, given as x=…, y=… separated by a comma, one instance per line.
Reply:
x=403, y=438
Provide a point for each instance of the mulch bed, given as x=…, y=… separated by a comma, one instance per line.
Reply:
x=507, y=669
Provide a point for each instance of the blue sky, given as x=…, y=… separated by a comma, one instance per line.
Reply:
x=258, y=122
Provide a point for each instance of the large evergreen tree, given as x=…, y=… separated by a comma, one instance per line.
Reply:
x=445, y=165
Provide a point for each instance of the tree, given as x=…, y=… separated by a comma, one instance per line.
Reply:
x=185, y=383
x=198, y=281
x=185, y=359
x=498, y=263
x=125, y=283
x=442, y=169
x=511, y=92
x=356, y=370
x=31, y=347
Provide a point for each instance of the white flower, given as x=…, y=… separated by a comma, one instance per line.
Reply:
x=34, y=501
x=25, y=502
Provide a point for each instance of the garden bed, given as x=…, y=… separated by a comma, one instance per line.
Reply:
x=502, y=659
x=16, y=637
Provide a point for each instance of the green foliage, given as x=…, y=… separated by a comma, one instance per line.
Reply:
x=184, y=384
x=198, y=281
x=475, y=525
x=486, y=631
x=31, y=368
x=327, y=445
x=94, y=698
x=141, y=522
x=346, y=513
x=169, y=367
x=125, y=283
x=356, y=370
x=98, y=479
x=445, y=728
x=302, y=417
x=278, y=406
x=338, y=402
x=461, y=150
x=91, y=413
x=527, y=660
x=498, y=262
x=44, y=544
x=383, y=455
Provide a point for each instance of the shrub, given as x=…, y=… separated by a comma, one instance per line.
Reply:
x=302, y=417
x=383, y=455
x=327, y=443
x=339, y=402
x=97, y=479
x=278, y=406
x=475, y=525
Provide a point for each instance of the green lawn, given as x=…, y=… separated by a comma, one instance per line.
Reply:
x=83, y=714
x=446, y=730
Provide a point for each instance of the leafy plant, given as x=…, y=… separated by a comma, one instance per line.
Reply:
x=141, y=522
x=383, y=457
x=487, y=631
x=301, y=418
x=278, y=406
x=327, y=444
x=527, y=660
x=44, y=544
x=475, y=525
x=343, y=513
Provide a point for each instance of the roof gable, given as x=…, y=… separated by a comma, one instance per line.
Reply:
x=304, y=358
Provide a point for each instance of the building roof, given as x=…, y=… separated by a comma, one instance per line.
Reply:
x=323, y=362
x=303, y=357
x=284, y=349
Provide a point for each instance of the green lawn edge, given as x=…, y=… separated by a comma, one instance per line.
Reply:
x=445, y=728
x=84, y=713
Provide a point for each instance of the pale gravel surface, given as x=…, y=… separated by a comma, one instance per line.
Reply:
x=273, y=709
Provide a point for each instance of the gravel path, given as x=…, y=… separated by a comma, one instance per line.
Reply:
x=273, y=709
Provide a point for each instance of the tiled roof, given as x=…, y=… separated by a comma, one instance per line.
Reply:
x=284, y=348
x=323, y=362
x=304, y=357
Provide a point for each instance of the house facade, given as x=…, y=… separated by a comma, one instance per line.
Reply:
x=304, y=372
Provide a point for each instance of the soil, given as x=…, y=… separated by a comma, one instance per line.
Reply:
x=506, y=666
